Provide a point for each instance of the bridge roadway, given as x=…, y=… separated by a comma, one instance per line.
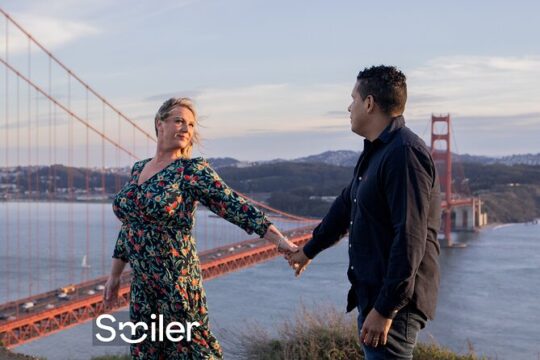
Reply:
x=51, y=312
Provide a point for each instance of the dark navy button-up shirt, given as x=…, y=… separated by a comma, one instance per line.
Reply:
x=391, y=210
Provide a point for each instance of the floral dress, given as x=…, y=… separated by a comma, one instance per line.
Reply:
x=156, y=239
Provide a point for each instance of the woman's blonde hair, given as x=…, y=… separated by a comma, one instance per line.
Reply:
x=165, y=110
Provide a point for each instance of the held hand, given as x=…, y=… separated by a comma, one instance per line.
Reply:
x=287, y=247
x=298, y=261
x=375, y=329
x=110, y=294
x=274, y=236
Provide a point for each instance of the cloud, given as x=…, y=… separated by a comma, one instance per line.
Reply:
x=503, y=124
x=420, y=98
x=475, y=86
x=165, y=96
x=279, y=144
x=51, y=32
x=46, y=20
x=259, y=108
x=278, y=107
x=337, y=114
x=42, y=121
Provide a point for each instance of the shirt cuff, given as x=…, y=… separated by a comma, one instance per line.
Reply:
x=311, y=249
x=387, y=308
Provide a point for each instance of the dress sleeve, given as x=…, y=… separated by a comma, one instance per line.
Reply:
x=208, y=188
x=120, y=249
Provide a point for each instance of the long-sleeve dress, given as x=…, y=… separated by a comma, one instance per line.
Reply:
x=156, y=239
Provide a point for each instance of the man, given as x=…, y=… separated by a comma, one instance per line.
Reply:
x=391, y=210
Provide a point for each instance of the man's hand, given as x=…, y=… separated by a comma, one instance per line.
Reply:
x=375, y=329
x=298, y=261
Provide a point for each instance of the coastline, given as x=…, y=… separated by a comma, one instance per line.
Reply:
x=500, y=225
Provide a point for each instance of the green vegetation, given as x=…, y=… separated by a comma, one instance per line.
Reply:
x=292, y=187
x=112, y=357
x=324, y=334
x=491, y=177
x=6, y=354
x=510, y=193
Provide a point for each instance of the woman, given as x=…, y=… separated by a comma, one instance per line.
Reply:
x=157, y=208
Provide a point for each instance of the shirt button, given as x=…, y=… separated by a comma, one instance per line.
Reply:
x=352, y=267
x=360, y=178
x=350, y=245
x=354, y=200
x=351, y=222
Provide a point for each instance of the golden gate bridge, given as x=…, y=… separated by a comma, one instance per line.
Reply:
x=52, y=116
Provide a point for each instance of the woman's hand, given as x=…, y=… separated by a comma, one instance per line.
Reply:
x=285, y=246
x=110, y=294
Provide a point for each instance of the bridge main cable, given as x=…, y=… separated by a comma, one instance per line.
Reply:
x=71, y=73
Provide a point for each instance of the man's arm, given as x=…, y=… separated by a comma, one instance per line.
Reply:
x=333, y=226
x=408, y=176
x=327, y=233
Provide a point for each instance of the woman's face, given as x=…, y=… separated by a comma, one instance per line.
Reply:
x=176, y=131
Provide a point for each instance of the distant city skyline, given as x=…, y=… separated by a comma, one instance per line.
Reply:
x=273, y=80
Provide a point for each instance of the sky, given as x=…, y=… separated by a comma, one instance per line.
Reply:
x=272, y=79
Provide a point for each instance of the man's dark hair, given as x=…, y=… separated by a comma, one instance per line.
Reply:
x=387, y=85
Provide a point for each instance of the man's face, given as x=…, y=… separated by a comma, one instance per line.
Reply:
x=178, y=128
x=358, y=111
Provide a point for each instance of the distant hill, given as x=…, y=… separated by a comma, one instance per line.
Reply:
x=345, y=158
x=521, y=159
x=348, y=158
x=217, y=163
x=339, y=158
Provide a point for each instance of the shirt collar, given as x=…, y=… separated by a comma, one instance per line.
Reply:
x=395, y=124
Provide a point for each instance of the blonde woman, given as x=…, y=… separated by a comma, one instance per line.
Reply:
x=157, y=208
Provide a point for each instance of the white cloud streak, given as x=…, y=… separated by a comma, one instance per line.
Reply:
x=51, y=32
x=475, y=86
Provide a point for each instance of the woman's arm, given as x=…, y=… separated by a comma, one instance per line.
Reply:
x=120, y=259
x=215, y=194
x=117, y=268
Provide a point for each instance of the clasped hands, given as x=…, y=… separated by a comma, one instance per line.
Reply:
x=294, y=255
x=291, y=252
